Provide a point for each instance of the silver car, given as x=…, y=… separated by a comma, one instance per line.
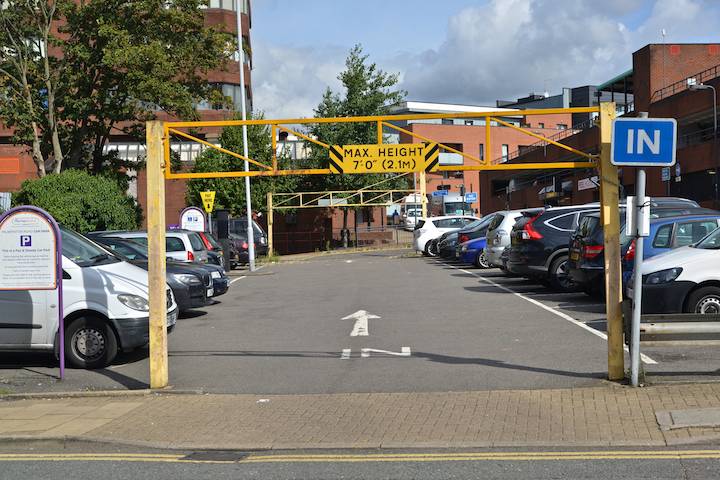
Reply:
x=498, y=235
x=180, y=245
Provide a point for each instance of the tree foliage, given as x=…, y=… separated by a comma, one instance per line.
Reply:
x=81, y=201
x=75, y=72
x=230, y=192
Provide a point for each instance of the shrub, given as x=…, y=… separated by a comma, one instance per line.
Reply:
x=81, y=201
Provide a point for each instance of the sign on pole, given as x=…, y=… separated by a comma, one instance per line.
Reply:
x=31, y=258
x=192, y=218
x=644, y=142
x=439, y=193
x=471, y=197
x=208, y=199
x=384, y=158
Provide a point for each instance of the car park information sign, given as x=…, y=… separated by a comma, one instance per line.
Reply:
x=192, y=218
x=28, y=252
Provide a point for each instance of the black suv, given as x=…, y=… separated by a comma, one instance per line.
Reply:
x=539, y=244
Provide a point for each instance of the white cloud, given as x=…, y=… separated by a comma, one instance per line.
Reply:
x=499, y=50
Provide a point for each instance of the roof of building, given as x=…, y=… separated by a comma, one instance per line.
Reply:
x=619, y=84
x=432, y=107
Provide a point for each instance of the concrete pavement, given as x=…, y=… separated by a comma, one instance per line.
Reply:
x=599, y=416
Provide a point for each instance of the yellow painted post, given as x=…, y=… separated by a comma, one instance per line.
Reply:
x=156, y=255
x=423, y=193
x=270, y=223
x=379, y=132
x=610, y=216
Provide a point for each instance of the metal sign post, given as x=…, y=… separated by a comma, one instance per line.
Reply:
x=640, y=142
x=31, y=256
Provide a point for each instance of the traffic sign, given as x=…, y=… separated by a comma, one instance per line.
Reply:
x=665, y=174
x=208, y=199
x=384, y=158
x=643, y=142
x=439, y=193
x=471, y=197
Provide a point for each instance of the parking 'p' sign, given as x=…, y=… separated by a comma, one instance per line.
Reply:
x=644, y=142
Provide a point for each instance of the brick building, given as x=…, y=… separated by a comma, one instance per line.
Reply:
x=16, y=164
x=658, y=83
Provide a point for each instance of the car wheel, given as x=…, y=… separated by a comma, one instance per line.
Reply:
x=560, y=275
x=481, y=260
x=704, y=300
x=90, y=343
x=431, y=248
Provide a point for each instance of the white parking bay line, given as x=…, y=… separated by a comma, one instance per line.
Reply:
x=560, y=314
x=236, y=279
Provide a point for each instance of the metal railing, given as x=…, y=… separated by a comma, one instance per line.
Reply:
x=290, y=242
x=682, y=85
x=693, y=138
x=562, y=134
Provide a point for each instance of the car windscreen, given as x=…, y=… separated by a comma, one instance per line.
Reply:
x=213, y=241
x=496, y=221
x=196, y=242
x=82, y=251
x=711, y=242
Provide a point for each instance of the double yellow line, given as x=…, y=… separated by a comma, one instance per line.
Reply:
x=371, y=457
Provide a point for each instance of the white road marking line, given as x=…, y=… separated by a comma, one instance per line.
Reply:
x=236, y=279
x=360, y=329
x=404, y=352
x=345, y=354
x=560, y=314
x=580, y=304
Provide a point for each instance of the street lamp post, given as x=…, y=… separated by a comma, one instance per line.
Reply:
x=703, y=86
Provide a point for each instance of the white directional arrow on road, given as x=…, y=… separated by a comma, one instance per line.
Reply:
x=360, y=329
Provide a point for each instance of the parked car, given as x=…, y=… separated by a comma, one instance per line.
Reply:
x=446, y=246
x=216, y=255
x=540, y=244
x=476, y=229
x=175, y=244
x=587, y=257
x=432, y=227
x=434, y=247
x=105, y=308
x=473, y=252
x=191, y=285
x=498, y=235
x=411, y=217
x=683, y=280
x=238, y=226
x=181, y=245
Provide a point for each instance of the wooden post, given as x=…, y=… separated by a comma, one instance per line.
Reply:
x=156, y=255
x=610, y=217
x=270, y=223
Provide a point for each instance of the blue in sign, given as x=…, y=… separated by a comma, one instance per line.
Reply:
x=439, y=193
x=644, y=142
x=471, y=197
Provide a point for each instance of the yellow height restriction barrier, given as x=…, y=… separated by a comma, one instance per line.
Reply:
x=375, y=158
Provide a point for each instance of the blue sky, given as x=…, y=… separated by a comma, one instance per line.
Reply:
x=460, y=51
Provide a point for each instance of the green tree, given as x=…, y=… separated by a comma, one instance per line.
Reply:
x=367, y=91
x=81, y=201
x=230, y=192
x=112, y=64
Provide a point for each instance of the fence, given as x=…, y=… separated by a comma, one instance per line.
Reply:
x=290, y=242
x=682, y=85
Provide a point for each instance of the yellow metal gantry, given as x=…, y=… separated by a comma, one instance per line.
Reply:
x=158, y=162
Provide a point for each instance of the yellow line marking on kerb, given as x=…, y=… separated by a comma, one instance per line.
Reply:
x=369, y=458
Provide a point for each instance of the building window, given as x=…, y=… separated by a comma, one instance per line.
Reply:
x=505, y=152
x=541, y=125
x=230, y=5
x=446, y=121
x=562, y=126
x=482, y=152
x=468, y=122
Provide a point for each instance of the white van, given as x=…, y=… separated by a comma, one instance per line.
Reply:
x=105, y=303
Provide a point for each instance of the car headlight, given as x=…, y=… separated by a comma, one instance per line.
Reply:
x=134, y=302
x=663, y=276
x=215, y=274
x=187, y=278
x=464, y=248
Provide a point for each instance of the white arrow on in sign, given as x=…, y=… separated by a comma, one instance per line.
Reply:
x=360, y=329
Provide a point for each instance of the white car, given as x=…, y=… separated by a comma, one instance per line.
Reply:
x=432, y=227
x=498, y=235
x=105, y=307
x=410, y=218
x=684, y=280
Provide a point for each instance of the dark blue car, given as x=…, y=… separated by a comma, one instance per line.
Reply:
x=473, y=252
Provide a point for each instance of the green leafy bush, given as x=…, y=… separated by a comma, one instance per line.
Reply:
x=81, y=201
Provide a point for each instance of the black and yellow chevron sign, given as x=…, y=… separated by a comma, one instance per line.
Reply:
x=403, y=157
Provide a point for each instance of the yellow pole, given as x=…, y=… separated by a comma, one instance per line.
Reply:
x=487, y=152
x=423, y=193
x=270, y=223
x=156, y=255
x=273, y=134
x=610, y=216
x=379, y=132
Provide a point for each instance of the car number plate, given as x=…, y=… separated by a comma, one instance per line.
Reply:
x=574, y=256
x=172, y=318
x=210, y=292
